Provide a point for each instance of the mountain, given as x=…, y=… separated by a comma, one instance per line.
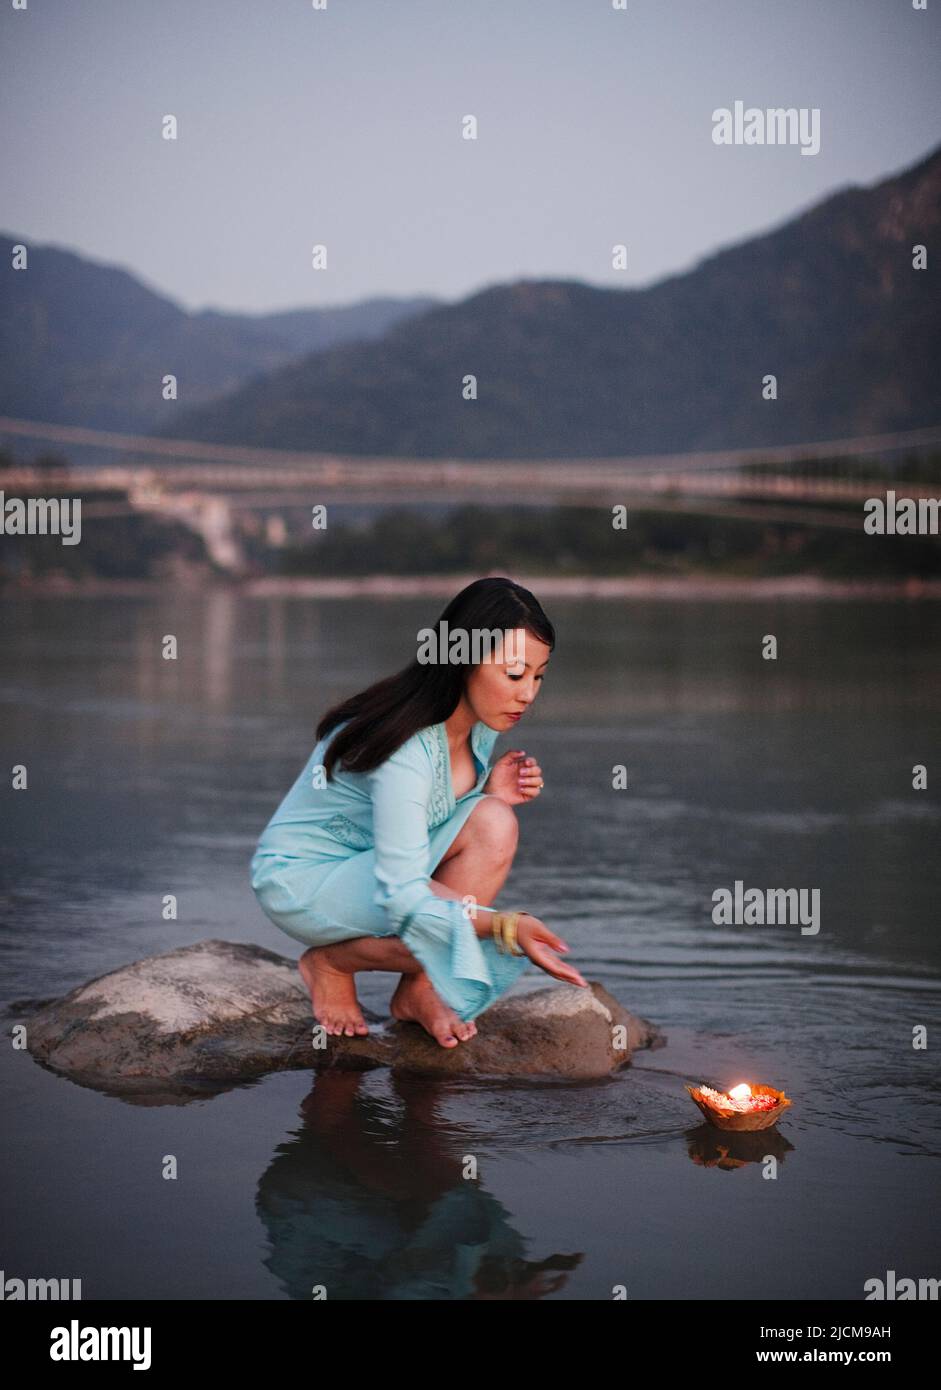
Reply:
x=88, y=344
x=828, y=302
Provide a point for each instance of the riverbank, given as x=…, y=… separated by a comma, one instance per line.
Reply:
x=693, y=586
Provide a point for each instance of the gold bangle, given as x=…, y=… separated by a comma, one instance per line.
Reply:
x=503, y=928
x=509, y=932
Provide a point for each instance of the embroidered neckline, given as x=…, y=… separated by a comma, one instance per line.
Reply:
x=443, y=800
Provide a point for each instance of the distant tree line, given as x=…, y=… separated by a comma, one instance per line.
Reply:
x=581, y=541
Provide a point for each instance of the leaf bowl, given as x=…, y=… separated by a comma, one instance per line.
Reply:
x=741, y=1119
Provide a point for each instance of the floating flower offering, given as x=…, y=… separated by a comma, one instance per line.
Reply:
x=739, y=1098
x=743, y=1107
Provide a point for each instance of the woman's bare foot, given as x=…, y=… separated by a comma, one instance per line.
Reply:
x=415, y=999
x=332, y=993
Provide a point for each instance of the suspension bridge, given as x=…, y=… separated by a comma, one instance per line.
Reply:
x=206, y=486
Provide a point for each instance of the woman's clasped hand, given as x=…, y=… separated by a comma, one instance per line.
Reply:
x=515, y=778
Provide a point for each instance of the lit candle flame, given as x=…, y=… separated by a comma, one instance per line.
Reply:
x=741, y=1092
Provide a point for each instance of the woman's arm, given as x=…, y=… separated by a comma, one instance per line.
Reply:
x=435, y=929
x=426, y=917
x=400, y=789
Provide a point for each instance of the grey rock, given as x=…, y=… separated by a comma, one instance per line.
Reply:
x=217, y=1013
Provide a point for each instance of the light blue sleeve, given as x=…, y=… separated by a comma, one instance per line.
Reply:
x=435, y=929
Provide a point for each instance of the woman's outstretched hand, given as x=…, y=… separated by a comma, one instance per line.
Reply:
x=515, y=778
x=541, y=944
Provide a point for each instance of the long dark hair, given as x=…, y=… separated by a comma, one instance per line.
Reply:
x=386, y=714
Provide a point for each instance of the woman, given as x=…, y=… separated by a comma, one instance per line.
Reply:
x=397, y=831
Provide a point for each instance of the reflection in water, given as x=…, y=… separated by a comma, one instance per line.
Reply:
x=709, y=1147
x=218, y=646
x=275, y=650
x=371, y=1203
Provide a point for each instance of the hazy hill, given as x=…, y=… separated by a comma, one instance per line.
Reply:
x=828, y=302
x=86, y=343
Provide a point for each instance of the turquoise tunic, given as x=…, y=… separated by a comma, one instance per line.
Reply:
x=353, y=857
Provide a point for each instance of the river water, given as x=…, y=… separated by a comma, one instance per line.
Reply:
x=149, y=777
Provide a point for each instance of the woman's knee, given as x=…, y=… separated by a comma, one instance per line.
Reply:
x=493, y=823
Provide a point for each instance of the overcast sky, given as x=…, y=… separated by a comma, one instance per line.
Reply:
x=343, y=126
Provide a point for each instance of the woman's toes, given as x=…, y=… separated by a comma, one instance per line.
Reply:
x=445, y=1035
x=461, y=1028
x=347, y=1027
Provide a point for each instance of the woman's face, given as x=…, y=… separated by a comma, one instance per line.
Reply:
x=499, y=691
